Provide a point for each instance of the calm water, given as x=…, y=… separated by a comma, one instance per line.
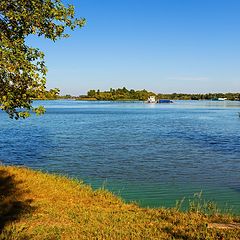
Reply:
x=154, y=154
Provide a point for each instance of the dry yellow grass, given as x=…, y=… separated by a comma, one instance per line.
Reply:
x=35, y=205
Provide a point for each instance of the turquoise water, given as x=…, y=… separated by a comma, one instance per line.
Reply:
x=154, y=154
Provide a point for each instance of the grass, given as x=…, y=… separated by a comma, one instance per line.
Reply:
x=36, y=205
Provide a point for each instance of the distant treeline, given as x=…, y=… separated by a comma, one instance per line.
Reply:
x=142, y=95
x=123, y=94
x=119, y=94
x=206, y=96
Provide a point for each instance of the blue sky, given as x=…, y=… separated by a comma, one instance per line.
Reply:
x=189, y=46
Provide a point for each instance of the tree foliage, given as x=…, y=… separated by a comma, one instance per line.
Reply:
x=51, y=94
x=22, y=68
x=120, y=94
x=142, y=95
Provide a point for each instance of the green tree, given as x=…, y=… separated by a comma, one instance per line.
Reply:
x=22, y=68
x=91, y=93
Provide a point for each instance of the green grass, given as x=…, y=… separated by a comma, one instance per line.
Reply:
x=36, y=205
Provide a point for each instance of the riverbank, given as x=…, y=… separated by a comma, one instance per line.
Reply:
x=37, y=205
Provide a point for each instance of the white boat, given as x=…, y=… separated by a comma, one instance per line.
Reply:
x=222, y=99
x=151, y=99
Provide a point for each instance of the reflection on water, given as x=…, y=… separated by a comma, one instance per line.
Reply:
x=150, y=153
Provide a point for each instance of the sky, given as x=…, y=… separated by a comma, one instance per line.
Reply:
x=165, y=46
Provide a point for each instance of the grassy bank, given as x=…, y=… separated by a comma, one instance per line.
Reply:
x=35, y=205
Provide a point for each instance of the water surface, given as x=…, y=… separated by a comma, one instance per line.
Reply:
x=154, y=154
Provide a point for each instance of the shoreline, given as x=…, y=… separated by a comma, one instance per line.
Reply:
x=51, y=206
